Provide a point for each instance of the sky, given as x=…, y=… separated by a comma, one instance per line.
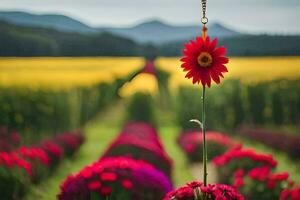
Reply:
x=253, y=16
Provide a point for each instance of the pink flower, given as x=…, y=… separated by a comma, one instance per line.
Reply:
x=215, y=191
x=127, y=184
x=239, y=182
x=95, y=185
x=6, y=158
x=185, y=193
x=295, y=195
x=87, y=173
x=259, y=173
x=275, y=178
x=195, y=184
x=108, y=176
x=251, y=155
x=285, y=194
x=106, y=191
x=271, y=184
x=239, y=173
x=279, y=176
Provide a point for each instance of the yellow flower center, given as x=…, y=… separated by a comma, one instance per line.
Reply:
x=204, y=59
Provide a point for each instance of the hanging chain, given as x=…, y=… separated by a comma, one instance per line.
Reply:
x=204, y=19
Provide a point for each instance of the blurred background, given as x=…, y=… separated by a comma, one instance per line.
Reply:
x=91, y=66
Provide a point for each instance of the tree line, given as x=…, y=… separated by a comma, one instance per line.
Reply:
x=17, y=40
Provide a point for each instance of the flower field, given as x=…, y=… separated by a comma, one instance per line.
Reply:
x=70, y=72
x=64, y=73
x=76, y=128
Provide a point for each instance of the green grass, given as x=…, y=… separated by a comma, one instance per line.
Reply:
x=181, y=173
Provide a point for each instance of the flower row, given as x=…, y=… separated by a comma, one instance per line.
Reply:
x=141, y=142
x=191, y=142
x=116, y=178
x=26, y=165
x=134, y=166
x=283, y=142
x=254, y=174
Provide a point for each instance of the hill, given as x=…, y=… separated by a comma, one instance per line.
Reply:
x=58, y=22
x=158, y=32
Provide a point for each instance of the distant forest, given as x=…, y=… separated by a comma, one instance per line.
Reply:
x=27, y=41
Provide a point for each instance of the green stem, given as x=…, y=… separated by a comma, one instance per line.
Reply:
x=204, y=139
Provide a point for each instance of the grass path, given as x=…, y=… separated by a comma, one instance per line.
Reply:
x=181, y=172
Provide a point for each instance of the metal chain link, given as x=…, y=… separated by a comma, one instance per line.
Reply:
x=204, y=19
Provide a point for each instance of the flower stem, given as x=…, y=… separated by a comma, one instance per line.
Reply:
x=204, y=139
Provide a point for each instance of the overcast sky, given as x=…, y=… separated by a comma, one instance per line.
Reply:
x=264, y=16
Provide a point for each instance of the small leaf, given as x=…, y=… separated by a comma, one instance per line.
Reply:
x=197, y=122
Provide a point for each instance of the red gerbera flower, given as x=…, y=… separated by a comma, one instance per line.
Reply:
x=204, y=61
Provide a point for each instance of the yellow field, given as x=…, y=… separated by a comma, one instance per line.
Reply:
x=64, y=72
x=247, y=69
x=70, y=72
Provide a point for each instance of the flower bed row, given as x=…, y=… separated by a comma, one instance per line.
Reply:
x=140, y=141
x=253, y=174
x=191, y=142
x=26, y=165
x=281, y=141
x=134, y=166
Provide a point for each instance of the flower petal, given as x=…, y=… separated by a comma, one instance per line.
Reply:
x=213, y=45
x=215, y=76
x=220, y=51
x=221, y=60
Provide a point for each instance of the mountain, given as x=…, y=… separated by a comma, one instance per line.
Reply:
x=158, y=32
x=59, y=22
x=17, y=40
x=148, y=32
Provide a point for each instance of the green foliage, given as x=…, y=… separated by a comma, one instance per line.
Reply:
x=233, y=103
x=257, y=103
x=163, y=85
x=188, y=106
x=13, y=182
x=29, y=110
x=141, y=108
